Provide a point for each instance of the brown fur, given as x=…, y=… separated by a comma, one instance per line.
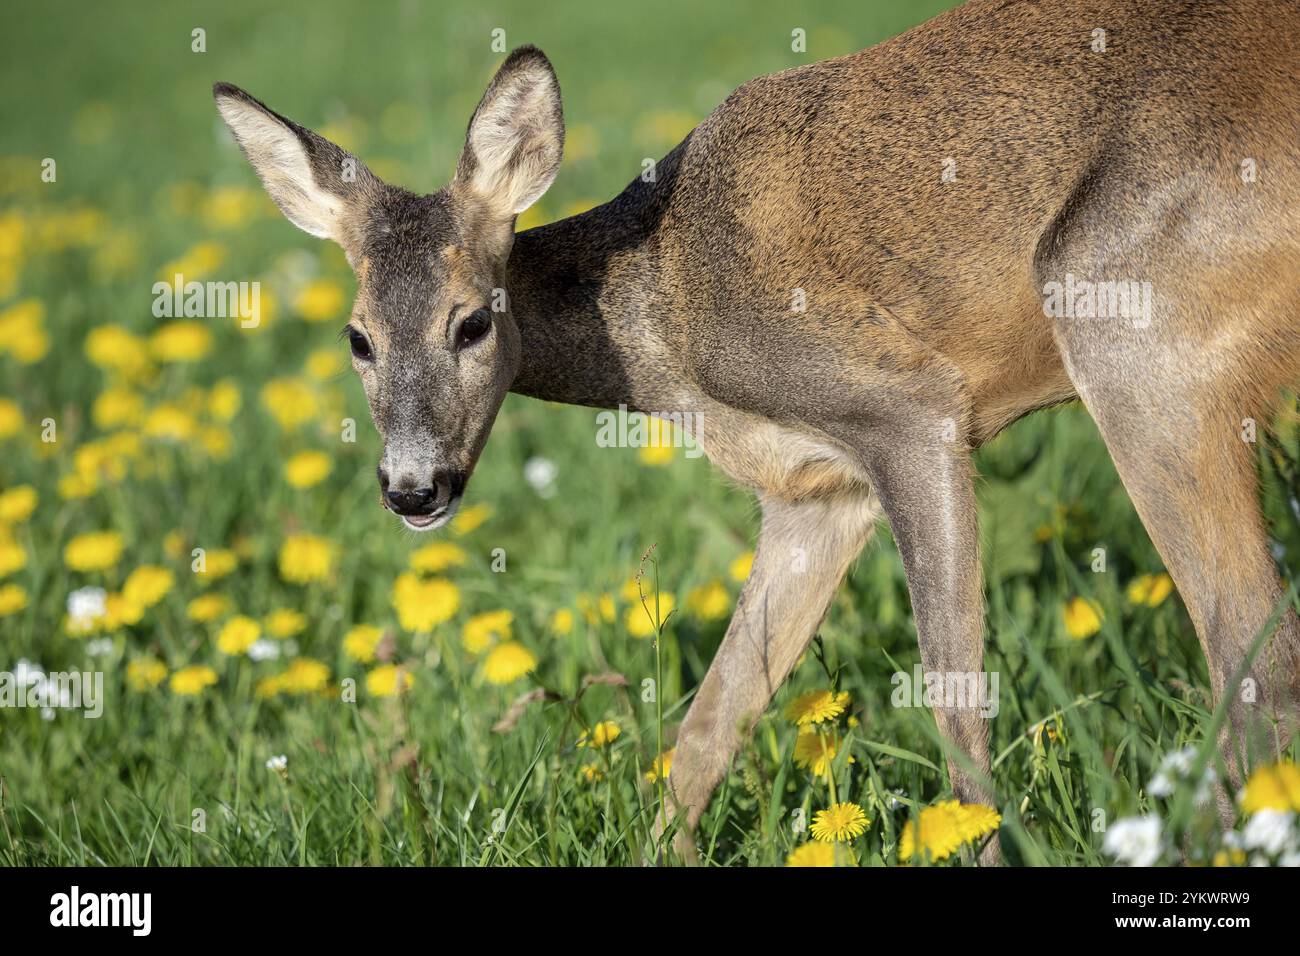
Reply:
x=924, y=330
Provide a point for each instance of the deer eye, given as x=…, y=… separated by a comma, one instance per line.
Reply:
x=474, y=327
x=360, y=347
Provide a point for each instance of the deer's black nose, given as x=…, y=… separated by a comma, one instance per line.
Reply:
x=419, y=501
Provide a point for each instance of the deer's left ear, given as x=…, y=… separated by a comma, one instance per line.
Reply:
x=516, y=137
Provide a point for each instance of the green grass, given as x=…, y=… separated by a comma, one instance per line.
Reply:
x=123, y=105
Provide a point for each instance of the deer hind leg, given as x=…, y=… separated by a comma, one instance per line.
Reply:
x=1170, y=402
x=803, y=550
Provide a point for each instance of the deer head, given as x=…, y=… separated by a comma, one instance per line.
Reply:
x=431, y=332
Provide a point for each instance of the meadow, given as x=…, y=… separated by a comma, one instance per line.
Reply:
x=188, y=507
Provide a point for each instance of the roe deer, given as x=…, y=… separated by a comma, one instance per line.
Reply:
x=926, y=199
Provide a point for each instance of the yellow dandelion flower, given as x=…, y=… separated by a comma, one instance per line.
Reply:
x=170, y=422
x=1150, y=589
x=227, y=207
x=147, y=585
x=13, y=556
x=468, y=519
x=1275, y=787
x=22, y=331
x=602, y=735
x=663, y=765
x=320, y=301
x=17, y=504
x=324, y=364
x=944, y=827
x=206, y=608
x=1082, y=618
x=238, y=634
x=1229, y=857
x=268, y=687
x=437, y=556
x=291, y=402
x=117, y=406
x=120, y=611
x=816, y=707
x=115, y=349
x=106, y=459
x=174, y=545
x=216, y=442
x=11, y=419
x=181, y=341
x=709, y=602
x=304, y=675
x=508, y=662
x=741, y=567
x=305, y=558
x=307, y=468
x=840, y=822
x=224, y=400
x=383, y=680
x=199, y=260
x=361, y=642
x=660, y=449
x=285, y=622
x=145, y=673
x=482, y=630
x=96, y=551
x=190, y=681
x=422, y=605
x=13, y=598
x=216, y=564
x=639, y=618
x=591, y=773
x=562, y=621
x=815, y=751
x=598, y=609
x=72, y=487
x=817, y=853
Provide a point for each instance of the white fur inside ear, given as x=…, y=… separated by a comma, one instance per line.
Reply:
x=281, y=161
x=517, y=141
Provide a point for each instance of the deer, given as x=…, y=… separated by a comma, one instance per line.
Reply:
x=847, y=272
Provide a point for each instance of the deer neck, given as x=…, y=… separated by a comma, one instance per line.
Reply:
x=585, y=293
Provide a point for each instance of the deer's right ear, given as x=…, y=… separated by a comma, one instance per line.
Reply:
x=516, y=137
x=312, y=181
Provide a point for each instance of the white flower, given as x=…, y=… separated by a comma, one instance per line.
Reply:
x=1161, y=785
x=85, y=607
x=1289, y=858
x=278, y=764
x=1177, y=766
x=100, y=647
x=1269, y=831
x=540, y=473
x=264, y=650
x=1134, y=840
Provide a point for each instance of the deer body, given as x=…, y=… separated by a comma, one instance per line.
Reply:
x=842, y=270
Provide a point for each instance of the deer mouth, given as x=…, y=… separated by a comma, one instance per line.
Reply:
x=434, y=521
x=422, y=522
